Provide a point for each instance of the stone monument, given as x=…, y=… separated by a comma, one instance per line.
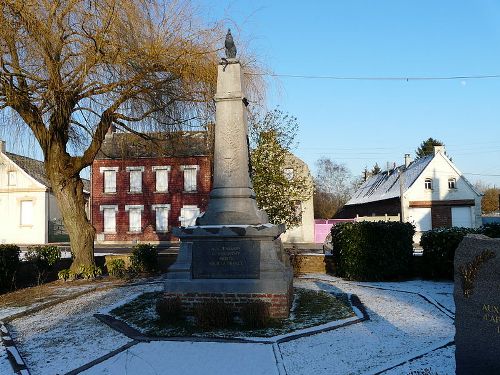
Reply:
x=232, y=253
x=477, y=302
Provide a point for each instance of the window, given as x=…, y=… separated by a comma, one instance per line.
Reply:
x=189, y=213
x=26, y=213
x=109, y=216
x=452, y=183
x=161, y=176
x=190, y=174
x=288, y=172
x=428, y=184
x=12, y=178
x=134, y=217
x=135, y=179
x=161, y=217
x=109, y=179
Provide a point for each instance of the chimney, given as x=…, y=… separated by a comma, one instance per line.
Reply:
x=2, y=146
x=407, y=160
x=438, y=149
x=388, y=166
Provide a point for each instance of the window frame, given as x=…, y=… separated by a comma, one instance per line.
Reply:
x=22, y=217
x=428, y=183
x=103, y=170
x=452, y=181
x=161, y=208
x=185, y=168
x=165, y=168
x=10, y=180
x=104, y=209
x=134, y=208
x=137, y=171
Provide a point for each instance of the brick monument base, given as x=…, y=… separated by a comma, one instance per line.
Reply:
x=232, y=264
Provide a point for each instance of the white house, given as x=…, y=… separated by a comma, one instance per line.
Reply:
x=435, y=194
x=28, y=209
x=304, y=233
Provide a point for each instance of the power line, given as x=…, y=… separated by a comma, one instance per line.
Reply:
x=346, y=78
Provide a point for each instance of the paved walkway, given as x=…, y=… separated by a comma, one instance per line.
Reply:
x=410, y=329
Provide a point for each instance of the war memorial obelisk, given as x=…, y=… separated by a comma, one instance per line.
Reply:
x=232, y=253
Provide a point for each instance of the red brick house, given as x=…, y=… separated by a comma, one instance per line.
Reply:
x=140, y=189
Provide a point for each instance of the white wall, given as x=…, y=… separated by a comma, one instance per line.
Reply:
x=25, y=188
x=440, y=169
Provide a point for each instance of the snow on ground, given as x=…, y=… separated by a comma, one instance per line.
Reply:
x=191, y=358
x=441, y=361
x=66, y=336
x=5, y=367
x=402, y=327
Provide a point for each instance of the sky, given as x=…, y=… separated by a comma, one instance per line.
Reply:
x=363, y=122
x=367, y=121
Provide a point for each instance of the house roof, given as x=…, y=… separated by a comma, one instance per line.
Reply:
x=36, y=169
x=129, y=145
x=385, y=185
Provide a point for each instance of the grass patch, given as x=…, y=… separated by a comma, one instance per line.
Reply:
x=310, y=308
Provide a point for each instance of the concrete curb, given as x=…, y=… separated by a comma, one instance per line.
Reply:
x=15, y=358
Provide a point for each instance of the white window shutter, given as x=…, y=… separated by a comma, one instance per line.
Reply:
x=136, y=181
x=161, y=180
x=109, y=181
x=134, y=215
x=161, y=219
x=190, y=179
x=109, y=220
x=189, y=215
x=26, y=212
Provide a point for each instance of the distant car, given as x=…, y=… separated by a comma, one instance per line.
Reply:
x=327, y=244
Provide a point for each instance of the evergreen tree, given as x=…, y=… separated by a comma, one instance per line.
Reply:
x=427, y=147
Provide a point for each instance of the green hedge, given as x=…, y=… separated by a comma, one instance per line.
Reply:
x=373, y=250
x=9, y=262
x=144, y=258
x=439, y=247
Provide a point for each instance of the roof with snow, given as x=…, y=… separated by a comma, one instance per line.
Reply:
x=385, y=185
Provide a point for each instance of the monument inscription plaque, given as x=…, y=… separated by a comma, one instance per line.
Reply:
x=477, y=301
x=226, y=260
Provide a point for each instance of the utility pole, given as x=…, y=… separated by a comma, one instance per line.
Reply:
x=401, y=192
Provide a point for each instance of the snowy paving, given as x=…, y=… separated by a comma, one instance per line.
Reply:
x=410, y=328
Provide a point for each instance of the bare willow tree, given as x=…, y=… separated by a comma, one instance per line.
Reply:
x=70, y=69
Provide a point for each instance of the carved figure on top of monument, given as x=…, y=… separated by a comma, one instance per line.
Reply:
x=230, y=46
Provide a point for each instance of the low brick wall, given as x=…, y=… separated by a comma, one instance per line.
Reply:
x=279, y=303
x=164, y=260
x=312, y=263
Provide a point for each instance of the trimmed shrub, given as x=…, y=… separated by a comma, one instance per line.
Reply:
x=89, y=272
x=169, y=309
x=372, y=251
x=213, y=314
x=66, y=275
x=144, y=258
x=491, y=230
x=439, y=247
x=9, y=261
x=256, y=314
x=116, y=267
x=43, y=258
x=295, y=259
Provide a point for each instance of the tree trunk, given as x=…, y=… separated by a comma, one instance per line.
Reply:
x=68, y=191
